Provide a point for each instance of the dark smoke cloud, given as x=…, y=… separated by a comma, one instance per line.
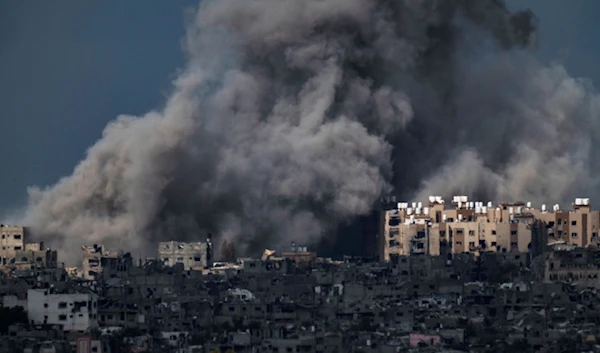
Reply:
x=293, y=116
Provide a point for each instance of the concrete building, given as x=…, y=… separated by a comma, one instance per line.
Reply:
x=299, y=254
x=193, y=256
x=576, y=265
x=475, y=227
x=74, y=312
x=578, y=227
x=12, y=239
x=93, y=259
x=35, y=256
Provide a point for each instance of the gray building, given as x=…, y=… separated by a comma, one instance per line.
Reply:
x=193, y=256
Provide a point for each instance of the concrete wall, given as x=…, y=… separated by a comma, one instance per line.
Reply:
x=75, y=312
x=193, y=256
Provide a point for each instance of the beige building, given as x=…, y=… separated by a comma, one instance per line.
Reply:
x=193, y=256
x=94, y=258
x=35, y=256
x=12, y=239
x=475, y=227
x=578, y=227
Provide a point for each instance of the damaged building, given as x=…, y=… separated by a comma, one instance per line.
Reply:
x=193, y=256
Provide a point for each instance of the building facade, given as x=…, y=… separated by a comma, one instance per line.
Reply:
x=193, y=256
x=12, y=239
x=75, y=312
x=475, y=227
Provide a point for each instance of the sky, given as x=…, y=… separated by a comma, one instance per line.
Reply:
x=67, y=68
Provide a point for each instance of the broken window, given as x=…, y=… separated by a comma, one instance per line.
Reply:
x=17, y=236
x=62, y=305
x=62, y=317
x=472, y=233
x=574, y=235
x=573, y=223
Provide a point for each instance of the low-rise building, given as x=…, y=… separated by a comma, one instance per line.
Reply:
x=73, y=311
x=193, y=256
x=12, y=239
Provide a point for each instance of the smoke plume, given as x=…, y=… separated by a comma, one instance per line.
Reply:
x=292, y=116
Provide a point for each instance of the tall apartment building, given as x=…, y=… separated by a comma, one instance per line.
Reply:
x=475, y=227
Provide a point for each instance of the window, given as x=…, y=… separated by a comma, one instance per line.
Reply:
x=573, y=235
x=62, y=318
x=197, y=259
x=472, y=233
x=17, y=236
x=459, y=243
x=513, y=232
x=45, y=305
x=493, y=232
x=472, y=244
x=442, y=233
x=514, y=244
x=559, y=221
x=449, y=220
x=459, y=231
x=573, y=223
x=17, y=248
x=62, y=305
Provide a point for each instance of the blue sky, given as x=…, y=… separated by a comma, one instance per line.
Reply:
x=67, y=68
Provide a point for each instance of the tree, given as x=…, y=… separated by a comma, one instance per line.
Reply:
x=228, y=252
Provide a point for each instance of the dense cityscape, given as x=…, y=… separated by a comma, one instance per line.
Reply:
x=458, y=277
x=254, y=176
